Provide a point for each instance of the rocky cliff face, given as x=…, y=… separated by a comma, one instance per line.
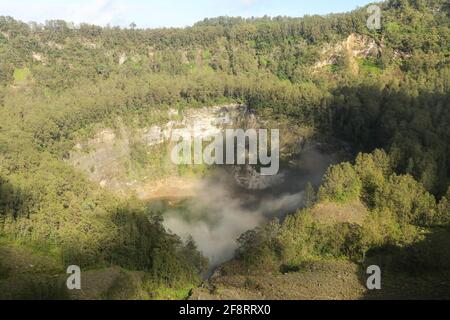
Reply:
x=107, y=158
x=203, y=123
x=355, y=46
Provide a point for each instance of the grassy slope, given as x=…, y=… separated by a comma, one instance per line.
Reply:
x=26, y=273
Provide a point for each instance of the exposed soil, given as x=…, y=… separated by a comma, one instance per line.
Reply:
x=337, y=280
x=330, y=280
x=170, y=189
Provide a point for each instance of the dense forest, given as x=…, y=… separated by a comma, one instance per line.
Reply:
x=58, y=81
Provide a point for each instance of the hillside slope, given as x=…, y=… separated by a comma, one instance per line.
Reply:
x=385, y=89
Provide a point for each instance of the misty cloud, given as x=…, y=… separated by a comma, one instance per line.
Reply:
x=223, y=210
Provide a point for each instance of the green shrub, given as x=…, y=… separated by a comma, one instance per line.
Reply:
x=21, y=74
x=143, y=244
x=341, y=184
x=373, y=170
x=260, y=248
x=382, y=228
x=408, y=200
x=300, y=239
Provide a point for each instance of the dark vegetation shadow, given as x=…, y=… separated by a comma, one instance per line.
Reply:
x=13, y=200
x=419, y=271
x=412, y=127
x=146, y=255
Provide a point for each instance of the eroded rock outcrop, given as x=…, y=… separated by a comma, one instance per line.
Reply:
x=356, y=46
x=107, y=157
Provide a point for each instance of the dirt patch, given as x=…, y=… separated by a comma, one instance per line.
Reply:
x=335, y=280
x=174, y=188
